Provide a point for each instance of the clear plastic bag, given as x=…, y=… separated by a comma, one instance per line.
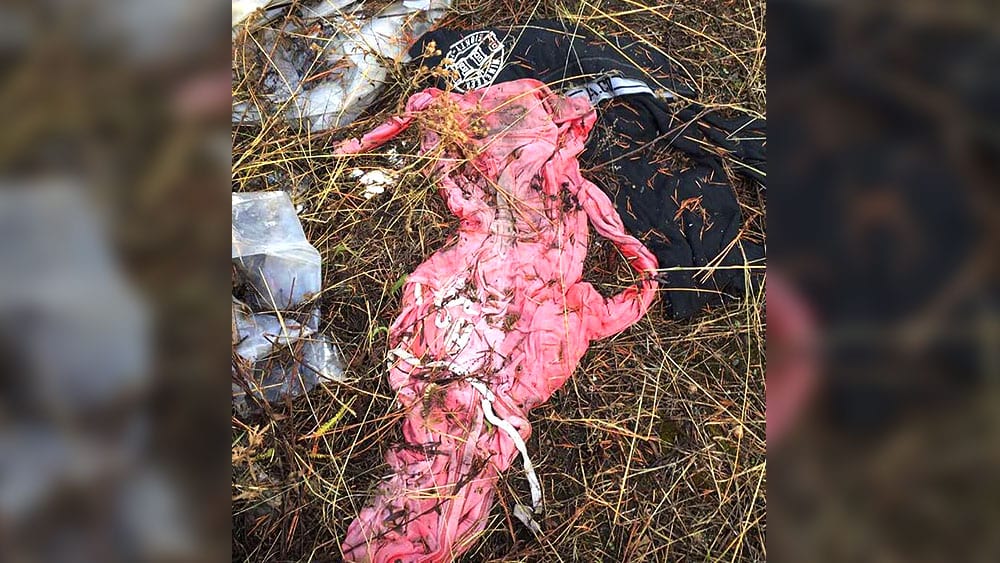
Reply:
x=281, y=346
x=286, y=358
x=271, y=250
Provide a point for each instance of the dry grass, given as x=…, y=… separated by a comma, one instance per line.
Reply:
x=654, y=451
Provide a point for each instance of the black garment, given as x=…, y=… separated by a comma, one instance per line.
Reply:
x=688, y=218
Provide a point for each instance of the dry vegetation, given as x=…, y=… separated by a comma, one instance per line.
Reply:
x=654, y=451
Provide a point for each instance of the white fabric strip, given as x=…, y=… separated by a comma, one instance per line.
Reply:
x=608, y=87
x=521, y=512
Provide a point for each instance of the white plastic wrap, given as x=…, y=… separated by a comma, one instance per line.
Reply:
x=344, y=50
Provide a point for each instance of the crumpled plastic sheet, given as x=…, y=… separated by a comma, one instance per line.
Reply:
x=258, y=336
x=283, y=270
x=325, y=68
x=259, y=333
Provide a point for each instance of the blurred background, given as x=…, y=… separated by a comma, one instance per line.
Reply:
x=883, y=306
x=114, y=207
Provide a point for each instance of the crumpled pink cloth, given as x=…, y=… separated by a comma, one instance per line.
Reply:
x=503, y=303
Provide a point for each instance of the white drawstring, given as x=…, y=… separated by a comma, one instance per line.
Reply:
x=521, y=512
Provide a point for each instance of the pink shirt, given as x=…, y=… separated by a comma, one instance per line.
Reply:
x=502, y=303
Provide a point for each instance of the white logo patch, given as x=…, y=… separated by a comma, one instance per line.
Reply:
x=476, y=59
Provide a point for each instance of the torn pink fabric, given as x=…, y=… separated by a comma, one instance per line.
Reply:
x=500, y=311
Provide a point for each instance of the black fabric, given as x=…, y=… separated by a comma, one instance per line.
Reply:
x=687, y=215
